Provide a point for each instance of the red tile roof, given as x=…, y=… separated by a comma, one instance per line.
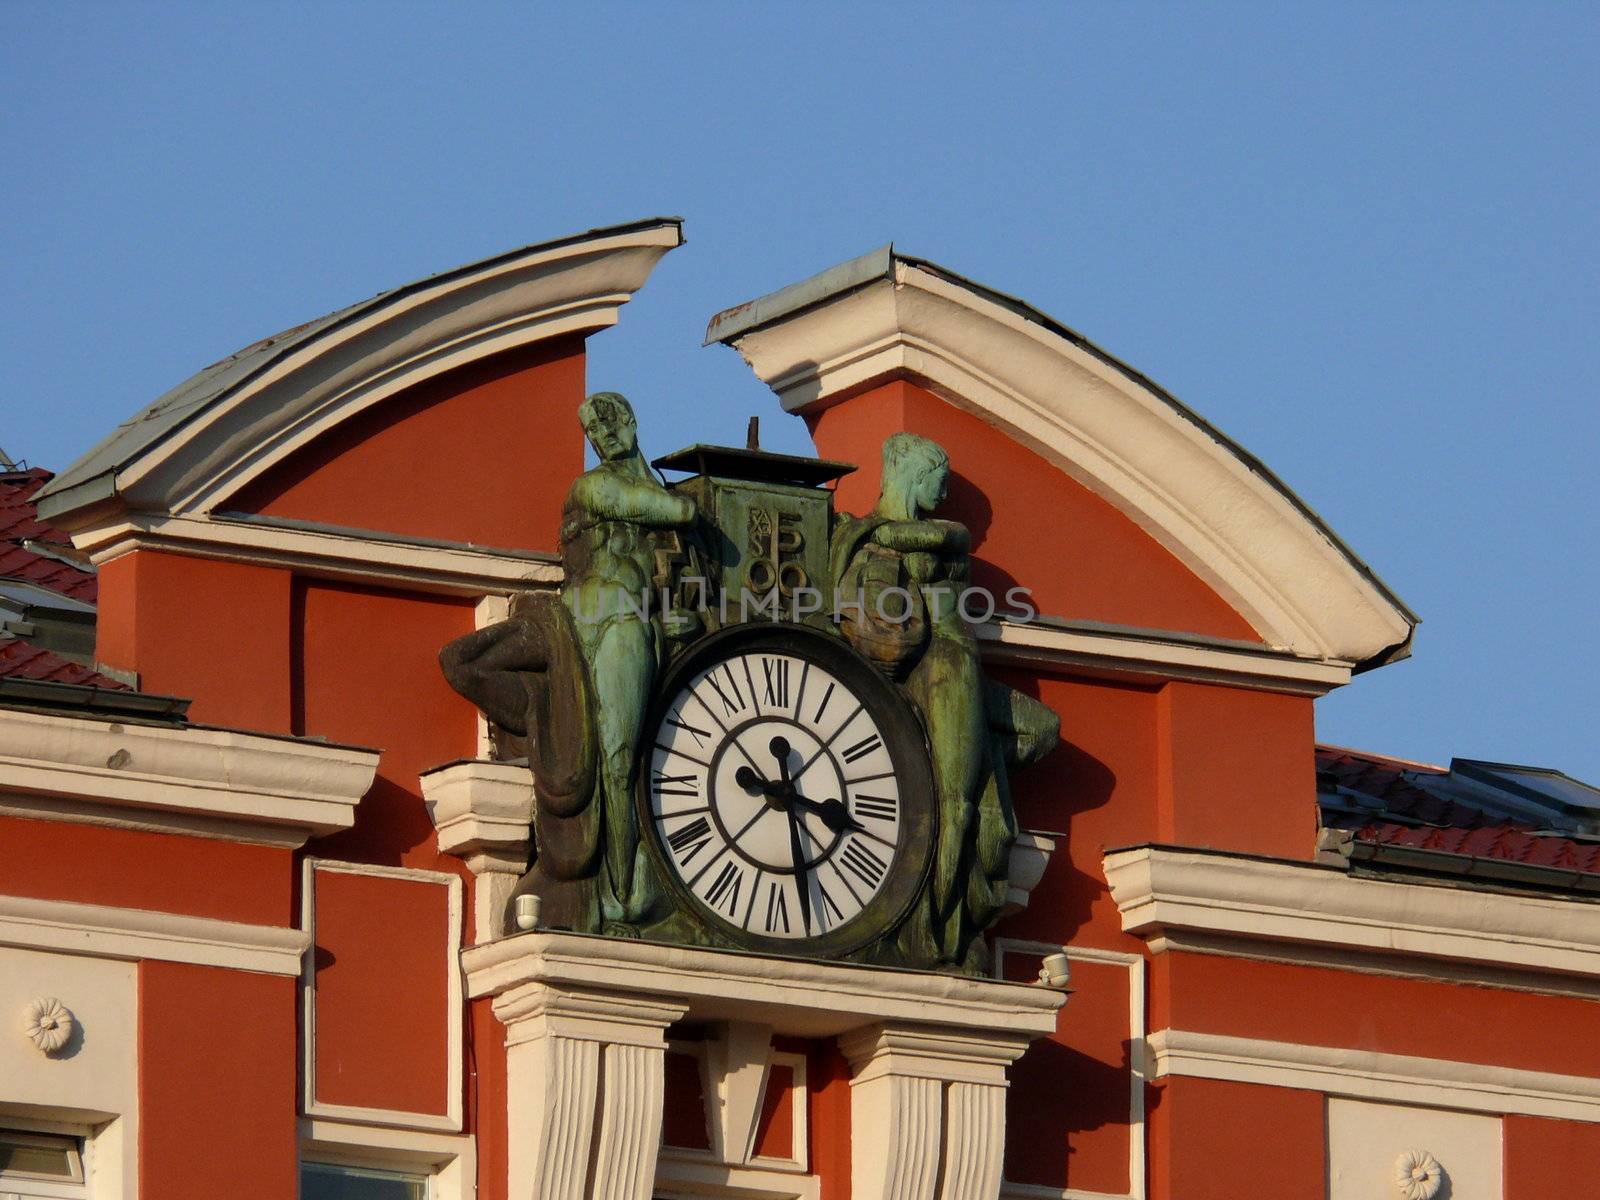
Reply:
x=1490, y=841
x=19, y=660
x=1397, y=812
x=33, y=550
x=23, y=535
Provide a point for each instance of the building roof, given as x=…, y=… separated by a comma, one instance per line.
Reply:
x=34, y=551
x=21, y=660
x=146, y=440
x=1201, y=495
x=1459, y=821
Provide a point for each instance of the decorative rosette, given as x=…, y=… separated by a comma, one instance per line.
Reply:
x=1418, y=1175
x=48, y=1022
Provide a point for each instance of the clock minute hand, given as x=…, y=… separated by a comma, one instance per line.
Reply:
x=801, y=882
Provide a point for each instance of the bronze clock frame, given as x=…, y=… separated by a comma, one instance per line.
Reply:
x=904, y=738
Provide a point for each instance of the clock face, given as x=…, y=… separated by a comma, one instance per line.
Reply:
x=784, y=789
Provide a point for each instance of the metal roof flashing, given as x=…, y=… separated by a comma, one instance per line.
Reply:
x=95, y=476
x=733, y=323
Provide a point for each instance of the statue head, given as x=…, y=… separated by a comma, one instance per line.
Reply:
x=915, y=470
x=608, y=422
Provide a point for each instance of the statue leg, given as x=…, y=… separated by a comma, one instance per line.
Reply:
x=622, y=669
x=947, y=685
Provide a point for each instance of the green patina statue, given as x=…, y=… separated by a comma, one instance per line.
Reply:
x=978, y=729
x=576, y=673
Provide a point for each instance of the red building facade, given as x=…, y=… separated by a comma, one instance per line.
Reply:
x=255, y=849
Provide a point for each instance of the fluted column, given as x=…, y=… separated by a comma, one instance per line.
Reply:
x=927, y=1111
x=584, y=1073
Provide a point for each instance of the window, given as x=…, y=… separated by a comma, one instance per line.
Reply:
x=327, y=1181
x=34, y=1164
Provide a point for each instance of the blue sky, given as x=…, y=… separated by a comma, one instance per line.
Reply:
x=1358, y=238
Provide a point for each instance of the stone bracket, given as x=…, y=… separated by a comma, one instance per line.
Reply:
x=927, y=1110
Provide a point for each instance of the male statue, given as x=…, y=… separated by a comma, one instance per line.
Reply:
x=576, y=676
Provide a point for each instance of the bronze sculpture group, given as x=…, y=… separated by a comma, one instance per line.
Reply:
x=575, y=673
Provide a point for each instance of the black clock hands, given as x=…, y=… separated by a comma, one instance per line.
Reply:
x=802, y=881
x=831, y=813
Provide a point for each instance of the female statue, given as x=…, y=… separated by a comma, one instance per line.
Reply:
x=908, y=571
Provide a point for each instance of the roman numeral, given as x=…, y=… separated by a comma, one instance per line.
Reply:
x=777, y=908
x=674, y=785
x=699, y=735
x=775, y=676
x=690, y=839
x=729, y=707
x=828, y=906
x=862, y=748
x=878, y=808
x=864, y=863
x=726, y=886
x=826, y=696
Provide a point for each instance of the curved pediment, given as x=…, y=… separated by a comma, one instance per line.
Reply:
x=221, y=431
x=1211, y=504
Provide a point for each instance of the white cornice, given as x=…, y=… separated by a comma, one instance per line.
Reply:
x=480, y=806
x=1394, y=1078
x=1164, y=893
x=1205, y=500
x=183, y=779
x=357, y=555
x=1152, y=655
x=569, y=288
x=794, y=996
x=102, y=931
x=473, y=571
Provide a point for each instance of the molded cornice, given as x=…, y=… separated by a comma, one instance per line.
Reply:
x=1205, y=499
x=1171, y=895
x=179, y=779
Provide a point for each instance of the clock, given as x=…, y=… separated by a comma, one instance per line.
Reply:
x=785, y=791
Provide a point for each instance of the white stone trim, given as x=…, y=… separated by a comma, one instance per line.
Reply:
x=795, y=996
x=102, y=931
x=571, y=288
x=181, y=779
x=451, y=1160
x=1368, y=1074
x=585, y=1083
x=572, y=1004
x=1134, y=964
x=681, y=1174
x=479, y=805
x=483, y=813
x=1203, y=499
x=451, y=1120
x=1164, y=893
x=338, y=554
x=1147, y=655
x=927, y=1111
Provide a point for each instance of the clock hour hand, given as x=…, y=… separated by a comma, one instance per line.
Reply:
x=751, y=782
x=832, y=813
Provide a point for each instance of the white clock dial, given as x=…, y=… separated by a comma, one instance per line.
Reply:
x=774, y=796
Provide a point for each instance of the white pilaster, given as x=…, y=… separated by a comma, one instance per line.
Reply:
x=927, y=1108
x=585, y=1074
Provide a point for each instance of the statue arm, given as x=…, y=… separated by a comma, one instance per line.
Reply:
x=939, y=537
x=612, y=497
